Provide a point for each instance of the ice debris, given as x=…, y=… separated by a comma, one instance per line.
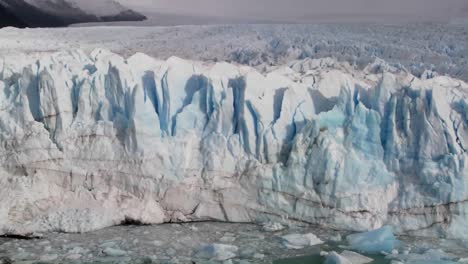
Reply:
x=345, y=257
x=114, y=252
x=335, y=258
x=355, y=258
x=219, y=252
x=273, y=227
x=298, y=241
x=376, y=241
x=430, y=256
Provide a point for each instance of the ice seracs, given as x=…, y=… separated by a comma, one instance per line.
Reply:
x=90, y=141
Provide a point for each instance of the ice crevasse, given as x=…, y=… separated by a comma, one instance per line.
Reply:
x=90, y=141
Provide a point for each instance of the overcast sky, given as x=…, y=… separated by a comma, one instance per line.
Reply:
x=283, y=9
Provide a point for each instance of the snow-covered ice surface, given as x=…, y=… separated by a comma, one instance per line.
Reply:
x=182, y=243
x=418, y=47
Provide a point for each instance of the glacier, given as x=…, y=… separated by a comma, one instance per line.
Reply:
x=94, y=140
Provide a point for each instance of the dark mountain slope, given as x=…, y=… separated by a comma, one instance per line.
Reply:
x=59, y=13
x=9, y=19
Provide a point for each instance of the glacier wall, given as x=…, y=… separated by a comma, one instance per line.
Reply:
x=90, y=141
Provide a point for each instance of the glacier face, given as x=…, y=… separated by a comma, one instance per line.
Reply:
x=90, y=141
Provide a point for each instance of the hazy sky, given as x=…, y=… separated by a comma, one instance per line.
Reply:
x=283, y=9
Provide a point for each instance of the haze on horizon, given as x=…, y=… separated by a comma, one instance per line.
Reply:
x=283, y=10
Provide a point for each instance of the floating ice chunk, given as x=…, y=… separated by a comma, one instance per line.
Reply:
x=114, y=252
x=227, y=238
x=48, y=257
x=217, y=252
x=73, y=256
x=273, y=227
x=108, y=244
x=430, y=262
x=375, y=241
x=431, y=256
x=345, y=257
x=438, y=254
x=355, y=258
x=335, y=238
x=298, y=241
x=335, y=258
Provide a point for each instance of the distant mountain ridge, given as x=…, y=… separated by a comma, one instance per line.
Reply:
x=59, y=13
x=7, y=18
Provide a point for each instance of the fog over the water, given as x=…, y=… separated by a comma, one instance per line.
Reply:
x=298, y=10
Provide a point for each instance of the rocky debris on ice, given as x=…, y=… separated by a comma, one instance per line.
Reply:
x=298, y=241
x=373, y=242
x=227, y=238
x=218, y=252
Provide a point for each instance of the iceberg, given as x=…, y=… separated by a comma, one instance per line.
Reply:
x=346, y=257
x=218, y=252
x=335, y=258
x=355, y=258
x=374, y=242
x=272, y=227
x=298, y=241
x=94, y=140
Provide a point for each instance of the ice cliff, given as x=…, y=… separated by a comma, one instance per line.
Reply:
x=90, y=141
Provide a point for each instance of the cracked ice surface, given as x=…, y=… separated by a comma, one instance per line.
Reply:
x=91, y=141
x=425, y=49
